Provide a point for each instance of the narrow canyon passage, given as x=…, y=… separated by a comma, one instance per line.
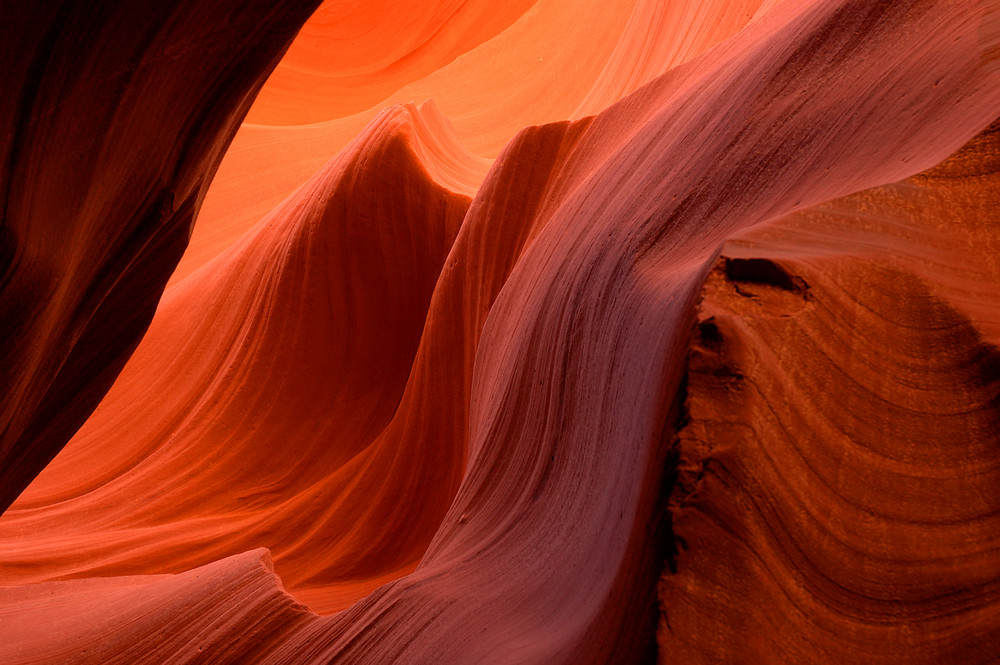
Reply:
x=554, y=332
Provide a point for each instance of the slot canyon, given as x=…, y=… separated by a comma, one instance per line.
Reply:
x=542, y=332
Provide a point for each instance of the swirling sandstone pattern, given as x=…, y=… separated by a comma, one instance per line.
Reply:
x=841, y=442
x=543, y=68
x=710, y=375
x=112, y=122
x=277, y=448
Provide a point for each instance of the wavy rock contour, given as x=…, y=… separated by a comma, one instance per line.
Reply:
x=709, y=376
x=114, y=119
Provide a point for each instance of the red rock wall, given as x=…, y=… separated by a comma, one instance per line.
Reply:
x=113, y=120
x=838, y=462
x=666, y=334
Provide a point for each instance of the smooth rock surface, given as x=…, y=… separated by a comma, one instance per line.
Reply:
x=665, y=333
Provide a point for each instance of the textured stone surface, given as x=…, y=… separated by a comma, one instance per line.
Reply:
x=665, y=333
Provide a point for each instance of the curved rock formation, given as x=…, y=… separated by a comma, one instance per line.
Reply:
x=113, y=120
x=351, y=55
x=254, y=398
x=543, y=68
x=230, y=611
x=709, y=376
x=840, y=459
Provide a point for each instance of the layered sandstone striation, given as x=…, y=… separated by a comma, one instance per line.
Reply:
x=839, y=458
x=665, y=333
x=113, y=121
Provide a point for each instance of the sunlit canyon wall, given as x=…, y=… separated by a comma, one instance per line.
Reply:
x=521, y=331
